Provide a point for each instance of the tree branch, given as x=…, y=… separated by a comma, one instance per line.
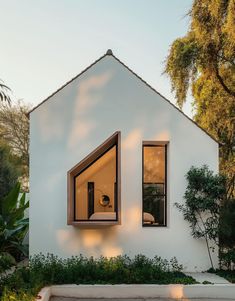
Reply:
x=225, y=87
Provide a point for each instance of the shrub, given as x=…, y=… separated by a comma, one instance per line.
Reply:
x=17, y=296
x=121, y=269
x=203, y=198
x=50, y=269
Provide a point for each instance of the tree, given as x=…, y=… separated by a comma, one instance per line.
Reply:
x=204, y=61
x=8, y=173
x=203, y=199
x=227, y=235
x=14, y=131
x=4, y=96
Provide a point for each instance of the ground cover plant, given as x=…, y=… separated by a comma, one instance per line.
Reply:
x=50, y=269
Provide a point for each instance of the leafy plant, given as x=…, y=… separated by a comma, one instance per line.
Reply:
x=6, y=261
x=203, y=198
x=13, y=224
x=20, y=295
x=47, y=270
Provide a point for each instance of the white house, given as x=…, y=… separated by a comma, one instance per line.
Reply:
x=108, y=158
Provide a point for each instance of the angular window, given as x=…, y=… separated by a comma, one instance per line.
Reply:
x=94, y=186
x=154, y=184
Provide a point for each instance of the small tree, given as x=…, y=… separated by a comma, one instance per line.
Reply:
x=203, y=198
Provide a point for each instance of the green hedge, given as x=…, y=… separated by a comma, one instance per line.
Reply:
x=50, y=269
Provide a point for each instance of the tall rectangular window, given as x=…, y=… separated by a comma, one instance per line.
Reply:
x=154, y=184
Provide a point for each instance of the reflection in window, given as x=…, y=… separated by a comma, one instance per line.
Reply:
x=154, y=185
x=95, y=189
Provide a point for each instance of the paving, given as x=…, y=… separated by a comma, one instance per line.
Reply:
x=210, y=277
x=157, y=299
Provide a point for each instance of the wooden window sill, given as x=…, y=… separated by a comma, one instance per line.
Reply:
x=93, y=224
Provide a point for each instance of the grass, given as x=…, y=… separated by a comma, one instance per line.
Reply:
x=47, y=270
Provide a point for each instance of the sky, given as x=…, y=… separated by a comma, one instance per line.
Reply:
x=46, y=43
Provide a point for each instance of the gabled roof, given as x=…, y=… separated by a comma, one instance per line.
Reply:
x=110, y=53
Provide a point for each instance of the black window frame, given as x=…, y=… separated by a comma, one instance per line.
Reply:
x=155, y=144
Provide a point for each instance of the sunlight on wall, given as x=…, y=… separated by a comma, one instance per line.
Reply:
x=92, y=242
x=85, y=98
x=132, y=139
x=162, y=136
x=133, y=216
x=88, y=96
x=177, y=292
x=110, y=251
x=91, y=238
x=81, y=130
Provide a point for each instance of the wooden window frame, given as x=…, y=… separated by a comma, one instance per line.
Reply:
x=155, y=144
x=115, y=139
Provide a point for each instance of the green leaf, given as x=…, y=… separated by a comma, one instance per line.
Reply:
x=10, y=201
x=17, y=214
x=22, y=199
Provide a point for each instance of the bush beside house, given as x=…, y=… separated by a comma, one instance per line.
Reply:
x=48, y=270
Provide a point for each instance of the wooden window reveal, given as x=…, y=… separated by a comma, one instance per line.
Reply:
x=94, y=186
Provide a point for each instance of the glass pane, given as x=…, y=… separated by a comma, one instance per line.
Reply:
x=154, y=185
x=154, y=189
x=154, y=207
x=95, y=189
x=154, y=164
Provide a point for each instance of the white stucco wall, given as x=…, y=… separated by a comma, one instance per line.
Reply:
x=66, y=128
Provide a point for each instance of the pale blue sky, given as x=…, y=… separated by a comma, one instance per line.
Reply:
x=46, y=43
